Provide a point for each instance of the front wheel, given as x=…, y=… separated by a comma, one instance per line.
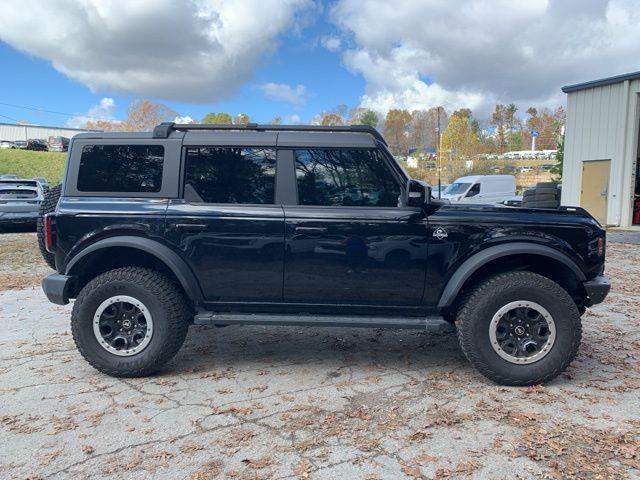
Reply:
x=129, y=322
x=519, y=328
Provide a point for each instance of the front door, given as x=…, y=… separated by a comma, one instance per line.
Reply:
x=595, y=188
x=347, y=241
x=227, y=226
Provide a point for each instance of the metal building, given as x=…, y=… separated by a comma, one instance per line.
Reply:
x=601, y=169
x=18, y=131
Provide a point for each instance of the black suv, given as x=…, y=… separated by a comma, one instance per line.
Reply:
x=304, y=225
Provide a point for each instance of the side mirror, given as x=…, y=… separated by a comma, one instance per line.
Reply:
x=417, y=194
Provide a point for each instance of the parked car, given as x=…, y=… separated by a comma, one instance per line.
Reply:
x=58, y=144
x=515, y=201
x=37, y=144
x=43, y=182
x=21, y=144
x=6, y=144
x=304, y=225
x=19, y=201
x=481, y=189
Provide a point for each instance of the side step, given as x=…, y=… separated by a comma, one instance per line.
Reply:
x=209, y=318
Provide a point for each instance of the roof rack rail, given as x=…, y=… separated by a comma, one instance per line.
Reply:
x=164, y=129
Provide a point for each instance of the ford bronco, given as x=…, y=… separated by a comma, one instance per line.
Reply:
x=304, y=225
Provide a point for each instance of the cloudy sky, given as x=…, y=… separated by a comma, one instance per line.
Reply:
x=71, y=60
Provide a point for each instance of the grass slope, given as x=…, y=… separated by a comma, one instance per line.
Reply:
x=30, y=164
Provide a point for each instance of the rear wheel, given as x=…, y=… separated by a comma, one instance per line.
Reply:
x=519, y=328
x=129, y=321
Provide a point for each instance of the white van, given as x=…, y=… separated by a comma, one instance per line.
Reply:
x=481, y=189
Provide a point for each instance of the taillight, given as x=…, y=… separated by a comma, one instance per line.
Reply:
x=600, y=246
x=48, y=233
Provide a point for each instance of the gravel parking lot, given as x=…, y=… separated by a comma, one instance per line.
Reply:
x=291, y=402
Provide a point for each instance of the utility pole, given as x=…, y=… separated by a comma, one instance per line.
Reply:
x=439, y=156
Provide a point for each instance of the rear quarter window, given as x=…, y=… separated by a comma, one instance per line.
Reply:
x=121, y=168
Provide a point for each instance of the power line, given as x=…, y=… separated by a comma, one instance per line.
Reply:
x=37, y=109
x=9, y=118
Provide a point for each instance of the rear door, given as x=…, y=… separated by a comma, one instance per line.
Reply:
x=348, y=242
x=227, y=225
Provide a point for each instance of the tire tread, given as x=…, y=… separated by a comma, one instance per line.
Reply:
x=173, y=303
x=489, y=288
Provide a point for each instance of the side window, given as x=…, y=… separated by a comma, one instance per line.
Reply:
x=473, y=191
x=345, y=178
x=121, y=168
x=230, y=175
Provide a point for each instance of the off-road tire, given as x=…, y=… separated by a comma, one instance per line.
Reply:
x=546, y=191
x=481, y=304
x=48, y=205
x=166, y=304
x=546, y=204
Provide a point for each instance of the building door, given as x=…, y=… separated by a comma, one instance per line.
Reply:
x=595, y=188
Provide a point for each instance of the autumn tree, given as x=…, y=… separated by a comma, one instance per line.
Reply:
x=219, y=118
x=104, y=125
x=548, y=123
x=242, y=119
x=459, y=142
x=144, y=115
x=423, y=128
x=396, y=131
x=332, y=119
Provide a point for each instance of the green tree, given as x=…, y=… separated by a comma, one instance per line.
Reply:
x=498, y=120
x=369, y=118
x=556, y=170
x=277, y=120
x=511, y=121
x=219, y=118
x=396, y=131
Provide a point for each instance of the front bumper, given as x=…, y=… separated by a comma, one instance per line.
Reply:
x=57, y=288
x=597, y=289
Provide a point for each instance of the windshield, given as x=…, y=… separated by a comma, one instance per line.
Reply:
x=457, y=188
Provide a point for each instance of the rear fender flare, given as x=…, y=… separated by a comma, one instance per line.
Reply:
x=163, y=253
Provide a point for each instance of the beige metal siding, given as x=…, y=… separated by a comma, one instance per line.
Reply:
x=602, y=125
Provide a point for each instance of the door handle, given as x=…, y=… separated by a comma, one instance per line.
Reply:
x=311, y=229
x=193, y=227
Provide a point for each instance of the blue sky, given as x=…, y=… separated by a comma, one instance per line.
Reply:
x=298, y=58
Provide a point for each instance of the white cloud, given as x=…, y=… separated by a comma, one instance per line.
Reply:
x=102, y=111
x=420, y=53
x=195, y=51
x=293, y=119
x=185, y=119
x=285, y=93
x=332, y=44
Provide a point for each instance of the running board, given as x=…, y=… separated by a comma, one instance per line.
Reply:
x=209, y=318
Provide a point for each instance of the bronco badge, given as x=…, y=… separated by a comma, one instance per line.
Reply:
x=440, y=233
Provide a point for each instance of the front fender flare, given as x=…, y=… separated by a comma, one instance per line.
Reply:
x=473, y=263
x=163, y=253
